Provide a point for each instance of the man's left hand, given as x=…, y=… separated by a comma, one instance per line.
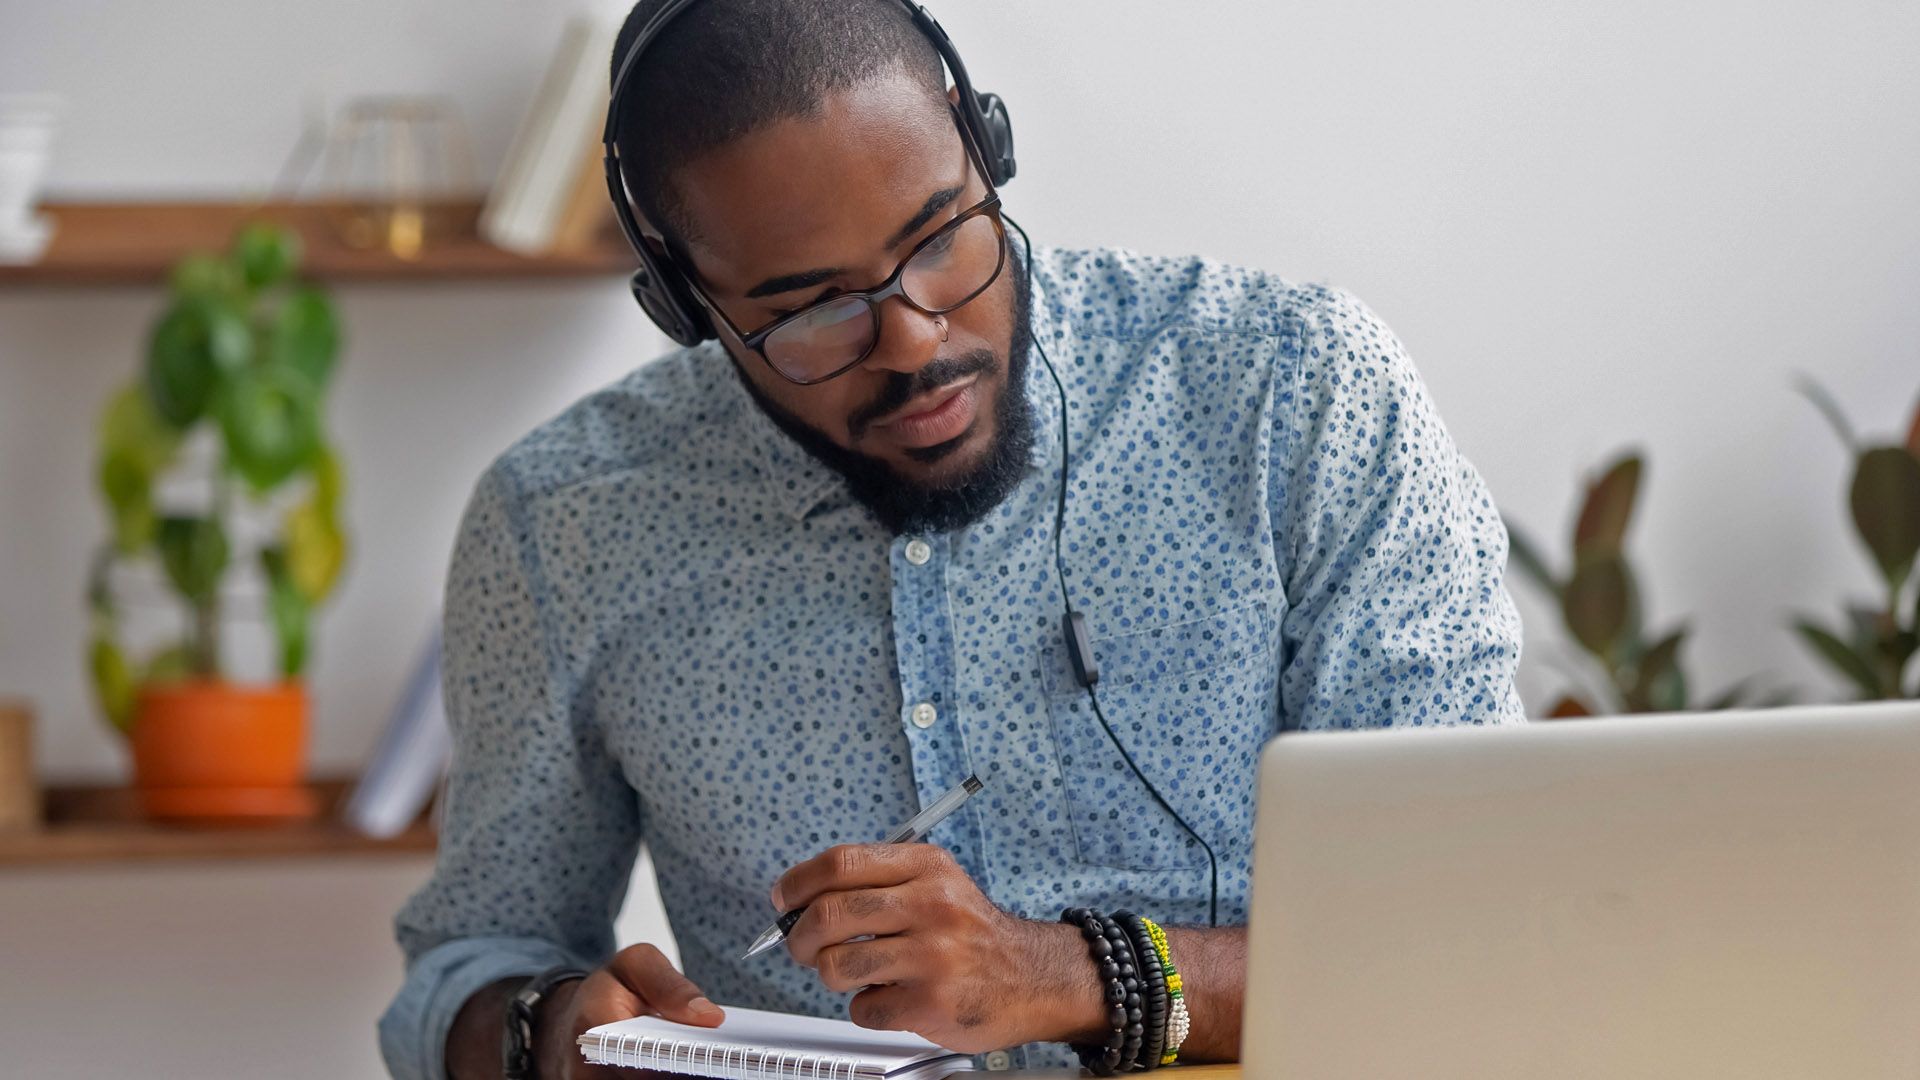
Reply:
x=905, y=926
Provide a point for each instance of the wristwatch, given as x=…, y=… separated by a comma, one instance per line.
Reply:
x=516, y=1043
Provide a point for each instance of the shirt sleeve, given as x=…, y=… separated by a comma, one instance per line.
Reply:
x=1398, y=614
x=541, y=829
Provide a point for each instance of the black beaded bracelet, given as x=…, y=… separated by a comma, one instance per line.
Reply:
x=1136, y=991
x=1121, y=985
x=1153, y=981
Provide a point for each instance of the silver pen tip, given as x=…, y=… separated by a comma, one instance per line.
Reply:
x=765, y=941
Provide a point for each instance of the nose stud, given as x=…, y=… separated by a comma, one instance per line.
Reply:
x=941, y=322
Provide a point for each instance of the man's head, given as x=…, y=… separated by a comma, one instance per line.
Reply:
x=788, y=150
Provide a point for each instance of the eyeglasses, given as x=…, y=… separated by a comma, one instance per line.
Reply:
x=942, y=274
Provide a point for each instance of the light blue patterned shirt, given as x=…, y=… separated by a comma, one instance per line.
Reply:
x=667, y=623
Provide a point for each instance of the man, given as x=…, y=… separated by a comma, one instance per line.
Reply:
x=760, y=601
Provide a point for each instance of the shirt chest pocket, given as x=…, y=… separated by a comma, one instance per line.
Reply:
x=1191, y=703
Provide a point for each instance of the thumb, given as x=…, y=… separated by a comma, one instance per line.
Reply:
x=663, y=989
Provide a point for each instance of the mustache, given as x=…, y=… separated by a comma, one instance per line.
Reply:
x=901, y=388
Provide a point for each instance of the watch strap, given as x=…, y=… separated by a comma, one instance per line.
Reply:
x=517, y=1055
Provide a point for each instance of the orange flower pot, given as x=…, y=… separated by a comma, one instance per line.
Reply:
x=209, y=750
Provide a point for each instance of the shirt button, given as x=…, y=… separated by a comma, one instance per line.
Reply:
x=918, y=552
x=999, y=1061
x=924, y=715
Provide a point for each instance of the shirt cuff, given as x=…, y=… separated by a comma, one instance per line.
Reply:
x=413, y=1030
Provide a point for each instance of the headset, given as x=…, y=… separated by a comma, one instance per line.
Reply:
x=660, y=285
x=662, y=290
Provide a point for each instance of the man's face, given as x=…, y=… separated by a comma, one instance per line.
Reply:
x=809, y=207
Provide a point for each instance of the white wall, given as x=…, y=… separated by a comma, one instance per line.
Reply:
x=1594, y=225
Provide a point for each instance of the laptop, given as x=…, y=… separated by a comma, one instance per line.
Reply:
x=1726, y=895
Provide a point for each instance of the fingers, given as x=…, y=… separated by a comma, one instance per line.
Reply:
x=882, y=1008
x=848, y=967
x=657, y=987
x=843, y=916
x=856, y=866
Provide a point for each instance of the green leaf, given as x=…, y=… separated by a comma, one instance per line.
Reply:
x=270, y=418
x=171, y=664
x=1609, y=508
x=1525, y=557
x=130, y=426
x=205, y=276
x=194, y=552
x=315, y=548
x=1657, y=669
x=1596, y=602
x=193, y=343
x=1837, y=653
x=305, y=336
x=1730, y=697
x=1896, y=649
x=1829, y=408
x=329, y=479
x=113, y=684
x=1886, y=508
x=267, y=253
x=129, y=495
x=290, y=612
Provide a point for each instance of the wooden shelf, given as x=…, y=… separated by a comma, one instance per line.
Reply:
x=138, y=243
x=102, y=823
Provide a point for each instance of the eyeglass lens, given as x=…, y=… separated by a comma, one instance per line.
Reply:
x=952, y=269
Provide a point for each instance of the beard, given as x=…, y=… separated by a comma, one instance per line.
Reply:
x=903, y=504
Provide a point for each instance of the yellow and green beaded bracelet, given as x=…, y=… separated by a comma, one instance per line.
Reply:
x=1179, y=1022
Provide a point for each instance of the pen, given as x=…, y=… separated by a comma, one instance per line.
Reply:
x=922, y=824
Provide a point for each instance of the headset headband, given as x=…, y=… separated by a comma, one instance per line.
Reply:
x=659, y=285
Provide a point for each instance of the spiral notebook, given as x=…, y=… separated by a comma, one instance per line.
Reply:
x=751, y=1044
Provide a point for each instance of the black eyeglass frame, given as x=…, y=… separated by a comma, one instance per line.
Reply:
x=895, y=285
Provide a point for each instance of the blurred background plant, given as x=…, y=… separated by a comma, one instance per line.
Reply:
x=244, y=351
x=1877, y=641
x=1622, y=669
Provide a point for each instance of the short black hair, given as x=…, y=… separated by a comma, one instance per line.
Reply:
x=726, y=68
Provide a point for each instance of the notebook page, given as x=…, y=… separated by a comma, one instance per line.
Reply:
x=881, y=1052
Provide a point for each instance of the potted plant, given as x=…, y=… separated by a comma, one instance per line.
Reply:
x=237, y=366
x=1880, y=638
x=1626, y=670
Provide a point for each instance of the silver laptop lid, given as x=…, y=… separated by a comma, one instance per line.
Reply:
x=1725, y=895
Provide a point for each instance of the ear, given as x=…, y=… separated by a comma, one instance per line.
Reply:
x=953, y=95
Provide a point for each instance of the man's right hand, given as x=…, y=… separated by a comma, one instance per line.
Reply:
x=638, y=981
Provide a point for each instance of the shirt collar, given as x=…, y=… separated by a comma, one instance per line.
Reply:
x=798, y=482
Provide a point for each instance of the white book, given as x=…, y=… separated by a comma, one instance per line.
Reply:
x=556, y=158
x=751, y=1045
x=502, y=218
x=411, y=758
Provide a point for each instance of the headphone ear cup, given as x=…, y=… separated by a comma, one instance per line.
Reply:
x=999, y=133
x=672, y=309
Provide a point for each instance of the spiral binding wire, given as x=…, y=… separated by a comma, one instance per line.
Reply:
x=724, y=1062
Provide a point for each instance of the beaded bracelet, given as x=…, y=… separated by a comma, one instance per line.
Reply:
x=1135, y=979
x=1153, y=977
x=1122, y=993
x=1180, y=1023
